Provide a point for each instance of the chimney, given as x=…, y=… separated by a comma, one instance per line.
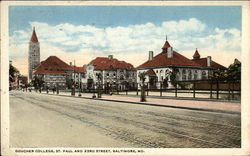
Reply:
x=110, y=57
x=209, y=61
x=150, y=55
x=170, y=52
x=70, y=63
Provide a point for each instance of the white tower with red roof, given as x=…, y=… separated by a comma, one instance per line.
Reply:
x=34, y=53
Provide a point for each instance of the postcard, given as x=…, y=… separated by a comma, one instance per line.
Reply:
x=125, y=78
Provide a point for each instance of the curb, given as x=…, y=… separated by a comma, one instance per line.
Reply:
x=152, y=104
x=184, y=98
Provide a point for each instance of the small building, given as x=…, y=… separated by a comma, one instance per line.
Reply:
x=159, y=67
x=109, y=71
x=19, y=82
x=22, y=81
x=57, y=73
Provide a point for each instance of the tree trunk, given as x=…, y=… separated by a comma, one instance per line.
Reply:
x=143, y=96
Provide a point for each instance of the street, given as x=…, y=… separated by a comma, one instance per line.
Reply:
x=41, y=120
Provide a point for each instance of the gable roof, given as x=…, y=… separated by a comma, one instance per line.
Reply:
x=52, y=65
x=105, y=63
x=161, y=60
x=34, y=37
x=203, y=63
x=151, y=72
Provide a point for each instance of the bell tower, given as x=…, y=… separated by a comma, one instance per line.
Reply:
x=34, y=53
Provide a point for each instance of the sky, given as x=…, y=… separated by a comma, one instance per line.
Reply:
x=82, y=33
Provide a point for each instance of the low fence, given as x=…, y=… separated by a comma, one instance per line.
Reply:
x=230, y=90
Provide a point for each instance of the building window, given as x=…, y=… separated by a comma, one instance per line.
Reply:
x=189, y=75
x=204, y=75
x=195, y=75
x=184, y=74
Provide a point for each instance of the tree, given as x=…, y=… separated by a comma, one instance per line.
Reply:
x=142, y=77
x=13, y=72
x=173, y=76
x=219, y=75
x=37, y=82
x=234, y=71
x=99, y=79
x=165, y=82
x=69, y=82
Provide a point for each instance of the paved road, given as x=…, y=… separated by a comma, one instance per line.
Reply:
x=38, y=120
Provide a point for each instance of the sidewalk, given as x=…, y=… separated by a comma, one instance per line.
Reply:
x=214, y=106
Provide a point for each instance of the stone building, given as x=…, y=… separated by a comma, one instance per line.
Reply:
x=159, y=67
x=34, y=54
x=110, y=71
x=57, y=73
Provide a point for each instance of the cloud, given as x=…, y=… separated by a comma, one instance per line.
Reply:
x=85, y=42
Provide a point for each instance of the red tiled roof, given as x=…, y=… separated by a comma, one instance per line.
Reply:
x=78, y=69
x=161, y=60
x=166, y=45
x=203, y=63
x=151, y=72
x=34, y=37
x=196, y=55
x=104, y=63
x=52, y=65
